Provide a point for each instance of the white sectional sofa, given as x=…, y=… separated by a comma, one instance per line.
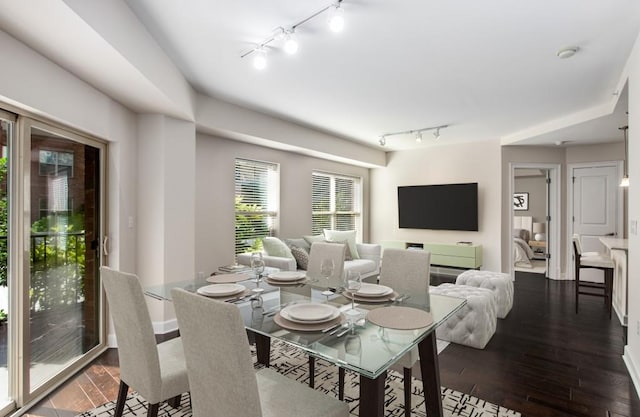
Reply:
x=368, y=264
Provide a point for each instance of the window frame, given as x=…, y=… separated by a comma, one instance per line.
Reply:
x=271, y=187
x=333, y=212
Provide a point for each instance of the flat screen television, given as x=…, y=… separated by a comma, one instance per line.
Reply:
x=439, y=207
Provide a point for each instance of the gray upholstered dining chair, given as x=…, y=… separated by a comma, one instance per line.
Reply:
x=410, y=270
x=221, y=375
x=158, y=372
x=320, y=251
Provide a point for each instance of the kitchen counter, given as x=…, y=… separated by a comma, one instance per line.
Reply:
x=618, y=250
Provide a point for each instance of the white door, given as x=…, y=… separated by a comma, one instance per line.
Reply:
x=595, y=210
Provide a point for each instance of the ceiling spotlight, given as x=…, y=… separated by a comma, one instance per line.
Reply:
x=418, y=136
x=382, y=141
x=260, y=59
x=336, y=18
x=290, y=43
x=565, y=53
x=436, y=134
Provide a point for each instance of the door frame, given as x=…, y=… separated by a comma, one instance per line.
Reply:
x=619, y=203
x=21, y=358
x=553, y=264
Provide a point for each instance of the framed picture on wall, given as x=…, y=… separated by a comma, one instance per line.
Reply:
x=521, y=201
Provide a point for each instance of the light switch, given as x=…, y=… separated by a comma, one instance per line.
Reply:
x=131, y=223
x=634, y=227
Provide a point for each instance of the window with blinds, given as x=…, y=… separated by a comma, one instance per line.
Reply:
x=336, y=202
x=256, y=203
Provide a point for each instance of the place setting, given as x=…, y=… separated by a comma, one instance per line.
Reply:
x=286, y=278
x=224, y=292
x=309, y=317
x=371, y=293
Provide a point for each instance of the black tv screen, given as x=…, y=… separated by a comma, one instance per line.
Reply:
x=439, y=207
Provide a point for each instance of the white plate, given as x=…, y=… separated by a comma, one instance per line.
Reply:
x=287, y=276
x=309, y=313
x=373, y=290
x=221, y=290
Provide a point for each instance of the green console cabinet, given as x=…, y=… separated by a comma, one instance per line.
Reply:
x=444, y=254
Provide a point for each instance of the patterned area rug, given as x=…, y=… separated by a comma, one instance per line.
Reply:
x=292, y=362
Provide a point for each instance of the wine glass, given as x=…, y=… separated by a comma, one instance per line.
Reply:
x=257, y=264
x=326, y=271
x=354, y=282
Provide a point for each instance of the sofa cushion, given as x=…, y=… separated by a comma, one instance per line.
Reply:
x=275, y=247
x=311, y=239
x=347, y=252
x=300, y=242
x=301, y=256
x=364, y=266
x=342, y=235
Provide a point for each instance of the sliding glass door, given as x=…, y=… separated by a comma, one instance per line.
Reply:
x=63, y=227
x=51, y=227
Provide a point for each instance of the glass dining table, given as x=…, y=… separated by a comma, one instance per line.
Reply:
x=379, y=347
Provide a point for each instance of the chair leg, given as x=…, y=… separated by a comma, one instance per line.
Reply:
x=608, y=285
x=312, y=372
x=407, y=392
x=122, y=398
x=577, y=278
x=153, y=410
x=175, y=401
x=340, y=384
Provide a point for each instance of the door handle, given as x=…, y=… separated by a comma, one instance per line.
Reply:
x=610, y=234
x=105, y=242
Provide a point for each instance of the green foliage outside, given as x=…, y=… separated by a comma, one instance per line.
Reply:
x=57, y=256
x=250, y=227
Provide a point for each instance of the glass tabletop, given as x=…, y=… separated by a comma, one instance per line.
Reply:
x=367, y=348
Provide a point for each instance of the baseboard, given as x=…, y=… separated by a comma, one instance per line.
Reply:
x=632, y=367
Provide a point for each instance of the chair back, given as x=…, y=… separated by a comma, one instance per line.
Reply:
x=322, y=250
x=137, y=349
x=408, y=268
x=221, y=375
x=577, y=246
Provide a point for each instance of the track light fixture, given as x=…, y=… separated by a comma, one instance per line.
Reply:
x=417, y=132
x=288, y=36
x=625, y=177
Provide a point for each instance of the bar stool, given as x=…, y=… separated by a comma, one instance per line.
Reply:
x=593, y=260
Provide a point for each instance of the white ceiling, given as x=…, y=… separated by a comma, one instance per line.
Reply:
x=486, y=68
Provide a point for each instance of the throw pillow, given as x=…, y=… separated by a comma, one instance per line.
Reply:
x=347, y=252
x=301, y=256
x=340, y=235
x=301, y=243
x=316, y=238
x=275, y=247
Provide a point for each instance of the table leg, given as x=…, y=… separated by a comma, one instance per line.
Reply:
x=372, y=396
x=430, y=375
x=263, y=348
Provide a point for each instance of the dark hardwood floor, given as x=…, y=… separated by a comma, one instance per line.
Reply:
x=544, y=360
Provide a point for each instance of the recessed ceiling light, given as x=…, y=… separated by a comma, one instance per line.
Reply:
x=565, y=53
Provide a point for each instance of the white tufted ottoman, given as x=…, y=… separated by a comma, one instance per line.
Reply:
x=475, y=323
x=501, y=285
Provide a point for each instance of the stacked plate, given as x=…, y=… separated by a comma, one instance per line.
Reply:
x=286, y=278
x=308, y=316
x=372, y=293
x=221, y=290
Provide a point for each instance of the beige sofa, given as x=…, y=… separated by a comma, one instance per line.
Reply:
x=368, y=265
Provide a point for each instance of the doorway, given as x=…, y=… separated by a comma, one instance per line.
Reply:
x=52, y=319
x=535, y=219
x=595, y=208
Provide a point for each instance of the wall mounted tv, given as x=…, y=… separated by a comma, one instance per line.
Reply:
x=439, y=207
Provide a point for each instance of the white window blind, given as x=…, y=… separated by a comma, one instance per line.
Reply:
x=336, y=202
x=256, y=203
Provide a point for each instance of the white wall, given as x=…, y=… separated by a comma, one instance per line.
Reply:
x=632, y=350
x=469, y=162
x=215, y=159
